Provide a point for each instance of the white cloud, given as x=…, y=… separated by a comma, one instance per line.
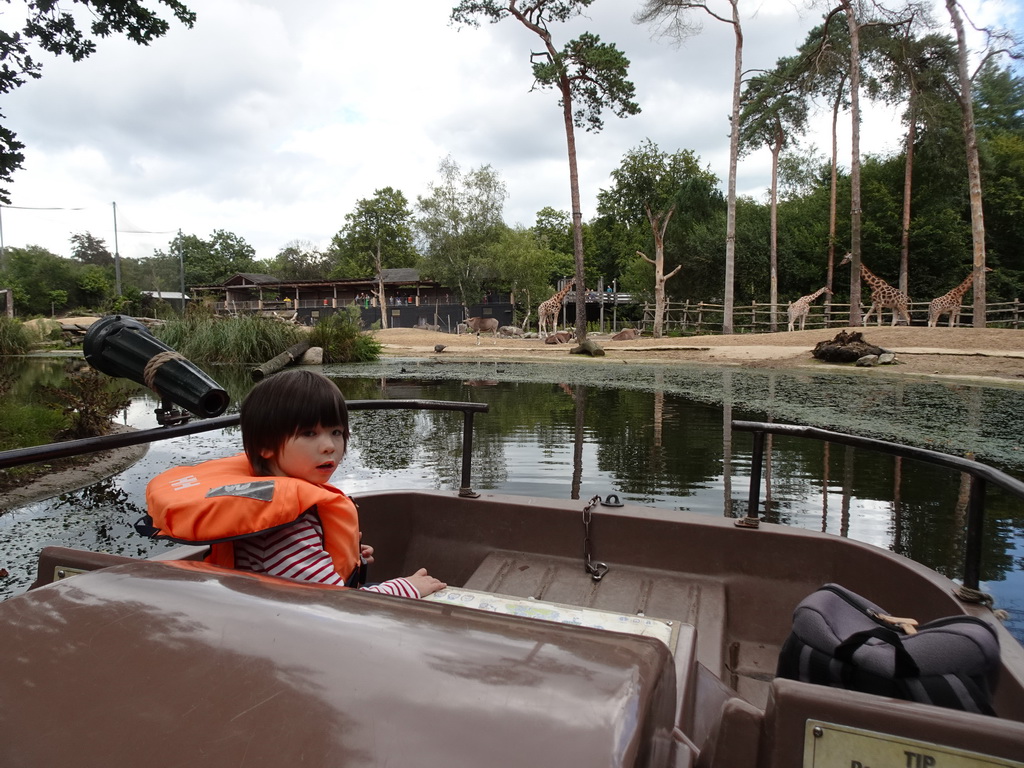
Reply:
x=271, y=120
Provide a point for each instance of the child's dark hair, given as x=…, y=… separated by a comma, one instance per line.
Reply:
x=284, y=404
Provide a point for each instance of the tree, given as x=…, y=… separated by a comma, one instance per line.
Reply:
x=774, y=110
x=589, y=75
x=681, y=25
x=91, y=250
x=377, y=235
x=647, y=184
x=853, y=26
x=554, y=229
x=998, y=101
x=524, y=262
x=93, y=285
x=456, y=220
x=825, y=56
x=918, y=72
x=999, y=115
x=57, y=299
x=211, y=262
x=299, y=260
x=57, y=32
x=966, y=101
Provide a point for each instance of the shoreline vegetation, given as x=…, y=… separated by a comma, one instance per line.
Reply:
x=992, y=355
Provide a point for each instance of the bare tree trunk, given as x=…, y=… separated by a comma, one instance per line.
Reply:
x=379, y=265
x=908, y=177
x=774, y=235
x=832, y=202
x=577, y=214
x=659, y=223
x=734, y=153
x=973, y=166
x=855, y=200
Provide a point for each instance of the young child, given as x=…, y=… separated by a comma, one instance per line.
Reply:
x=271, y=509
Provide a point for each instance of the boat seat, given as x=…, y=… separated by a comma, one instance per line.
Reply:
x=625, y=589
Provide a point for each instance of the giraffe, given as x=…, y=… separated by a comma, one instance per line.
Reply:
x=882, y=295
x=548, y=310
x=799, y=309
x=950, y=303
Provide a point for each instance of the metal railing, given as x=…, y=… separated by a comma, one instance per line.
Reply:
x=51, y=451
x=980, y=474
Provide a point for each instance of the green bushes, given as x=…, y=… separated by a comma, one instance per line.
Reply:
x=248, y=340
x=13, y=337
x=21, y=424
x=342, y=339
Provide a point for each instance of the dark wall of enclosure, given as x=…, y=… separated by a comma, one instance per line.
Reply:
x=445, y=316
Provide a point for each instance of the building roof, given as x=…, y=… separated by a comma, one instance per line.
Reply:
x=166, y=295
x=402, y=275
x=245, y=278
x=392, y=277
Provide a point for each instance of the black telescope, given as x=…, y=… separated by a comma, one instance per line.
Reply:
x=123, y=347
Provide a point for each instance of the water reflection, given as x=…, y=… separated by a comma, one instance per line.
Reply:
x=650, y=435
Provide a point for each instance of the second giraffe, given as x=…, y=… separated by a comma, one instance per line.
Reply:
x=883, y=295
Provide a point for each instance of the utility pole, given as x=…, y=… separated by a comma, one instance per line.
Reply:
x=117, y=256
x=181, y=265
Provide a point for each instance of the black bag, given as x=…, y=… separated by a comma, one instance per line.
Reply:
x=844, y=641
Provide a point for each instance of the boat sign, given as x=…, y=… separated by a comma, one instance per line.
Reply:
x=827, y=745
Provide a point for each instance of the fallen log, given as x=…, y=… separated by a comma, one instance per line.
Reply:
x=845, y=348
x=588, y=347
x=275, y=364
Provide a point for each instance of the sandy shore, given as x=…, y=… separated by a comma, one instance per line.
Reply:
x=960, y=352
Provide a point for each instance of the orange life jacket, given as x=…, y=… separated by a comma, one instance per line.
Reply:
x=219, y=501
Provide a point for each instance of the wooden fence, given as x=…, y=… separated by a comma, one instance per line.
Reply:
x=693, y=319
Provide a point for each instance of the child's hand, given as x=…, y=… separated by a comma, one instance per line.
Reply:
x=425, y=584
x=365, y=550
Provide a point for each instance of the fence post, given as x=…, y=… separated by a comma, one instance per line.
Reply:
x=700, y=317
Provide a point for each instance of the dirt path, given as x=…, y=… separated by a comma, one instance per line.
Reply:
x=962, y=352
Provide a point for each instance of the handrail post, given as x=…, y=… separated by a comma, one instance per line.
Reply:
x=466, y=491
x=975, y=525
x=752, y=520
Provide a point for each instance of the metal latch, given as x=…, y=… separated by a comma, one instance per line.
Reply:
x=61, y=572
x=596, y=570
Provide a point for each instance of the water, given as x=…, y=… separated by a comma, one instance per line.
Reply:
x=653, y=435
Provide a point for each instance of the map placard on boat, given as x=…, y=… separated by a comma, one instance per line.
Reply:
x=561, y=614
x=829, y=744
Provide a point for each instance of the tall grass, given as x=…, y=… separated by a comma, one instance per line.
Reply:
x=13, y=337
x=25, y=424
x=342, y=338
x=248, y=340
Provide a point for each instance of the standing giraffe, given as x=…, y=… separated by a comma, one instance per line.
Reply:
x=548, y=310
x=950, y=303
x=882, y=295
x=800, y=308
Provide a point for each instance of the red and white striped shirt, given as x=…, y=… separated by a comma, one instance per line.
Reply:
x=297, y=552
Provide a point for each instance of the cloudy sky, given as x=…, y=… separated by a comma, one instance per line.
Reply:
x=270, y=119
